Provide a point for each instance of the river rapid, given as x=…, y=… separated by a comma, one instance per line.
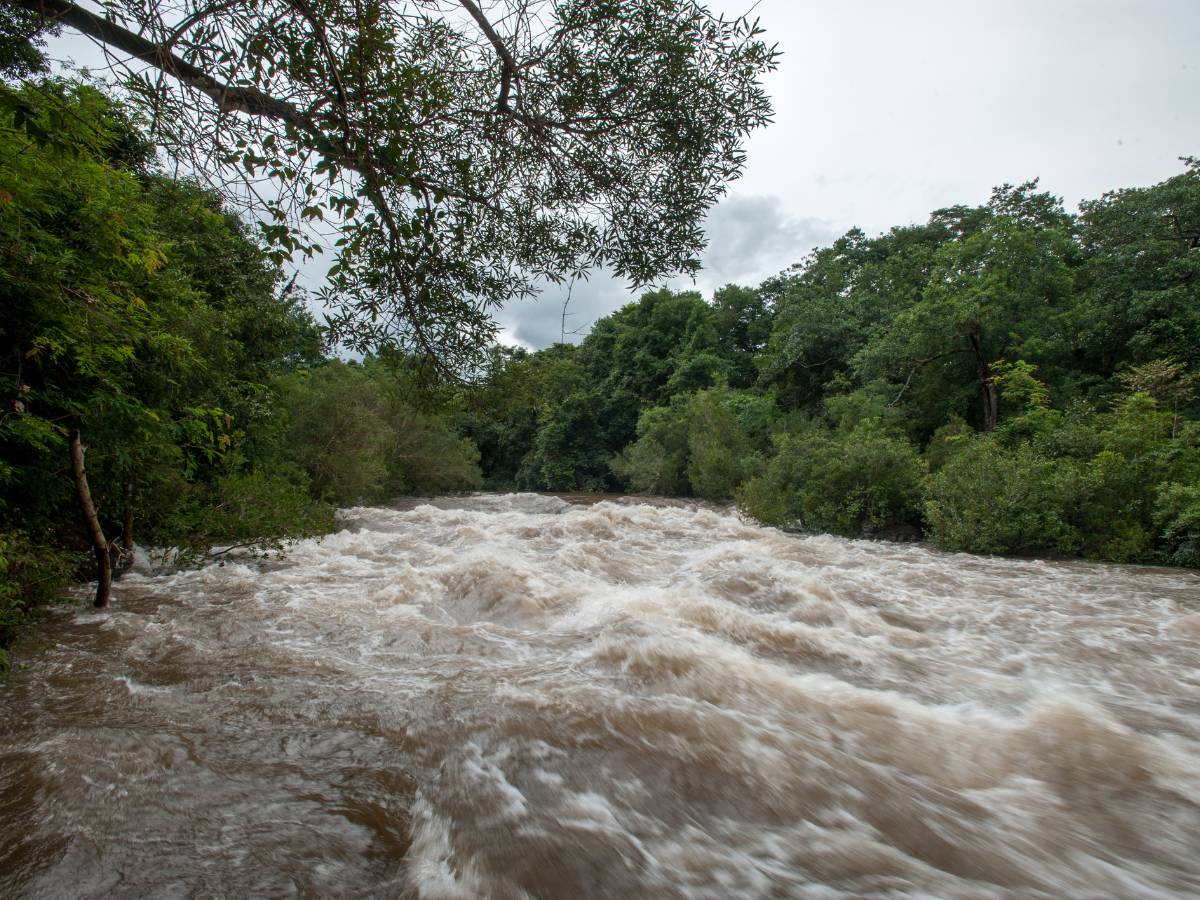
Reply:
x=520, y=696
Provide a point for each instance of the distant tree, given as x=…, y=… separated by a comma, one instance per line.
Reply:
x=578, y=426
x=464, y=153
x=1167, y=382
x=826, y=309
x=358, y=439
x=998, y=292
x=641, y=347
x=743, y=323
x=702, y=444
x=851, y=481
x=1140, y=289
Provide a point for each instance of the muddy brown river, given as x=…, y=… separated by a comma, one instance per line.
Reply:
x=517, y=696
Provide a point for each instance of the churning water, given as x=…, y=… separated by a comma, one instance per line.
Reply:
x=518, y=696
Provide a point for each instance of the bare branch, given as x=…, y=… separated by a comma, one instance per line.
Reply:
x=508, y=65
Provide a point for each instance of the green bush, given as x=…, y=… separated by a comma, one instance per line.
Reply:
x=657, y=462
x=704, y=444
x=261, y=510
x=338, y=431
x=428, y=458
x=1111, y=507
x=988, y=498
x=358, y=440
x=846, y=483
x=1177, y=515
x=946, y=441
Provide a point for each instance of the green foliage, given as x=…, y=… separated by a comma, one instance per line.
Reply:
x=657, y=462
x=354, y=435
x=22, y=35
x=743, y=319
x=1139, y=294
x=1177, y=516
x=828, y=307
x=32, y=575
x=1046, y=482
x=988, y=498
x=849, y=482
x=946, y=441
x=258, y=510
x=500, y=416
x=703, y=444
x=666, y=344
x=338, y=432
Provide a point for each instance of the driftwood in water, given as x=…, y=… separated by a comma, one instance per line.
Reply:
x=95, y=531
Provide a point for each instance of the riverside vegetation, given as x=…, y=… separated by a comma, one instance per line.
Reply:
x=1008, y=378
x=145, y=319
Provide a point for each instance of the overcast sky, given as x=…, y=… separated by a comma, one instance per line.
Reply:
x=886, y=110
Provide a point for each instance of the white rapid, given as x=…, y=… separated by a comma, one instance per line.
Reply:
x=521, y=696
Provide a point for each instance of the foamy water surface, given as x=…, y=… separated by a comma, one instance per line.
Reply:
x=519, y=696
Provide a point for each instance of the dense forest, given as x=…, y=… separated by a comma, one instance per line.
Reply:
x=1009, y=378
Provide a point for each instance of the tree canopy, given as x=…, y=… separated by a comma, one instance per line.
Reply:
x=464, y=154
x=1004, y=378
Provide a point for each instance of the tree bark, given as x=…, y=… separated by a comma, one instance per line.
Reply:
x=987, y=384
x=99, y=543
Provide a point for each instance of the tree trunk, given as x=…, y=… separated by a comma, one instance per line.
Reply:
x=124, y=551
x=99, y=544
x=987, y=384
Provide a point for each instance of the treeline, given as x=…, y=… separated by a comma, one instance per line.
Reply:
x=145, y=322
x=1007, y=378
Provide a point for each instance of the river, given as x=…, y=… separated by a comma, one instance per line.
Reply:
x=520, y=696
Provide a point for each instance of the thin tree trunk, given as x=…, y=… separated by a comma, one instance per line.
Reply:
x=99, y=543
x=127, y=524
x=987, y=385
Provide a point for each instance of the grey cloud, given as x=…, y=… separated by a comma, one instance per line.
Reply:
x=749, y=239
x=537, y=322
x=753, y=237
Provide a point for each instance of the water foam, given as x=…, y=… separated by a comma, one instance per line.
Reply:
x=521, y=696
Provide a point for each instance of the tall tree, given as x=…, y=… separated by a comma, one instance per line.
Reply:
x=997, y=293
x=141, y=324
x=1141, y=284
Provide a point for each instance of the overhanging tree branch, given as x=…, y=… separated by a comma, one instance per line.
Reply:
x=456, y=184
x=508, y=66
x=229, y=98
